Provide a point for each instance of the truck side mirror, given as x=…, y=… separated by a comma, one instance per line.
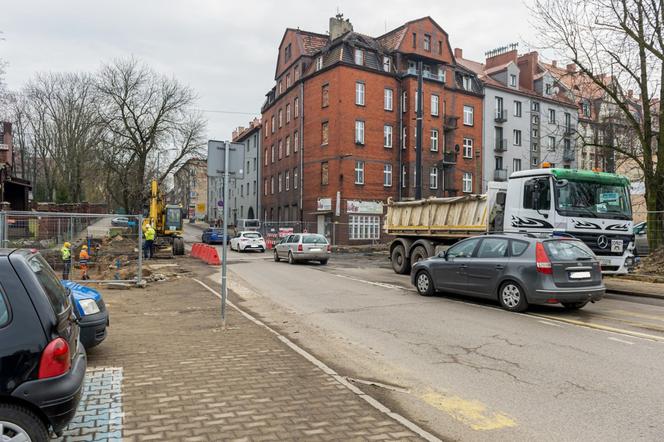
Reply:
x=500, y=198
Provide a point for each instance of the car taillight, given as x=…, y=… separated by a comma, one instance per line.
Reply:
x=299, y=247
x=329, y=248
x=54, y=359
x=542, y=260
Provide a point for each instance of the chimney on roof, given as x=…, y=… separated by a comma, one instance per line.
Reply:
x=339, y=26
x=571, y=67
x=458, y=53
x=237, y=132
x=502, y=55
x=554, y=63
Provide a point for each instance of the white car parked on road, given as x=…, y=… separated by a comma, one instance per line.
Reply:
x=249, y=240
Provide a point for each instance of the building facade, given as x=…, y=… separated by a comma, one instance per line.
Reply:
x=340, y=132
x=245, y=193
x=190, y=188
x=527, y=120
x=14, y=191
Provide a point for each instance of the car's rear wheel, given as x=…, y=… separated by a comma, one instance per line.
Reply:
x=424, y=283
x=418, y=254
x=512, y=297
x=20, y=424
x=399, y=262
x=276, y=256
x=291, y=260
x=574, y=305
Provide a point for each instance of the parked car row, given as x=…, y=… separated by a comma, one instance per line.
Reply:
x=45, y=325
x=516, y=270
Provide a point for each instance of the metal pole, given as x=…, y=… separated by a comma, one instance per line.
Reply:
x=224, y=288
x=139, y=272
x=71, y=229
x=418, y=131
x=2, y=230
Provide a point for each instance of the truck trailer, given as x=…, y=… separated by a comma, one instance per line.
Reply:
x=594, y=207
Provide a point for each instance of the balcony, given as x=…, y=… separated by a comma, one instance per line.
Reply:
x=500, y=175
x=449, y=159
x=569, y=155
x=450, y=122
x=501, y=116
x=501, y=145
x=427, y=74
x=570, y=130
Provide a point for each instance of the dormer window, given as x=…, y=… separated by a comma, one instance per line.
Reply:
x=359, y=56
x=387, y=64
x=467, y=83
x=513, y=80
x=319, y=63
x=547, y=89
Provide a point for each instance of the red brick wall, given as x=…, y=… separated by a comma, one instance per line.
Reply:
x=6, y=155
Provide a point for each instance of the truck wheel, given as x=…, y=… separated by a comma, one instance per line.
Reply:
x=399, y=262
x=21, y=424
x=417, y=255
x=178, y=246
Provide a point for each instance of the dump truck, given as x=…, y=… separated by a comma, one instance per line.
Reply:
x=594, y=207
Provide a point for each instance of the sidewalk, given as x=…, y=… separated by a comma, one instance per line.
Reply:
x=634, y=288
x=167, y=372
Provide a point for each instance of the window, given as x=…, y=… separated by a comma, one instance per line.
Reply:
x=288, y=146
x=464, y=249
x=359, y=93
x=468, y=82
x=273, y=153
x=325, y=95
x=535, y=106
x=241, y=189
x=324, y=133
x=493, y=248
x=440, y=47
x=255, y=186
x=387, y=175
x=265, y=188
x=296, y=141
x=287, y=81
x=535, y=147
x=359, y=56
x=324, y=173
x=468, y=116
x=272, y=124
x=547, y=89
x=266, y=129
x=585, y=106
x=404, y=101
x=427, y=42
x=537, y=194
x=359, y=132
x=567, y=144
x=467, y=147
x=517, y=137
x=4, y=311
x=319, y=63
x=287, y=52
x=281, y=118
x=404, y=134
x=280, y=86
x=359, y=172
x=516, y=164
x=387, y=64
x=512, y=80
x=552, y=116
x=296, y=107
x=272, y=185
x=517, y=108
x=255, y=163
x=265, y=157
x=551, y=143
x=467, y=182
x=434, y=140
x=433, y=178
x=404, y=176
x=499, y=107
x=364, y=226
x=288, y=113
x=414, y=40
x=434, y=105
x=535, y=161
x=568, y=120
x=281, y=149
x=535, y=133
x=387, y=99
x=287, y=180
x=414, y=176
x=280, y=182
x=387, y=136
x=499, y=163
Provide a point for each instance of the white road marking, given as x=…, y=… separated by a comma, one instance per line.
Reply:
x=620, y=340
x=341, y=379
x=377, y=284
x=550, y=323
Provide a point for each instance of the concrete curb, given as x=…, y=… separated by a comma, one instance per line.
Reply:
x=633, y=293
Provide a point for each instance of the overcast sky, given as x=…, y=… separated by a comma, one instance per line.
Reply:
x=225, y=49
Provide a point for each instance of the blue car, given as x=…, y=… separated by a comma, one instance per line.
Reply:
x=213, y=235
x=91, y=311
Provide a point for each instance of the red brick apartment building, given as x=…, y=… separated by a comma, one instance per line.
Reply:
x=339, y=127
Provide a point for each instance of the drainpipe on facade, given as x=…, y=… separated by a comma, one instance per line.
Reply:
x=400, y=144
x=418, y=131
x=301, y=141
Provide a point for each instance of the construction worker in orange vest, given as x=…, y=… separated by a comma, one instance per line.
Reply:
x=83, y=258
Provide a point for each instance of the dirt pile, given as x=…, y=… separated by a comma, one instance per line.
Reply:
x=652, y=264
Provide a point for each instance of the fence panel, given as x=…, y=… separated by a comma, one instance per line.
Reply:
x=114, y=243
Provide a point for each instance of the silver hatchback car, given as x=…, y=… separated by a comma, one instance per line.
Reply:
x=515, y=269
x=303, y=247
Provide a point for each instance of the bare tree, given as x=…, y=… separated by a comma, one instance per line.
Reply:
x=145, y=114
x=619, y=45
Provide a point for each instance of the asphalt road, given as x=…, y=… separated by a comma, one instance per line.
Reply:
x=465, y=369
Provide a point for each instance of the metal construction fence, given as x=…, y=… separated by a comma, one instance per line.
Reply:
x=114, y=243
x=334, y=231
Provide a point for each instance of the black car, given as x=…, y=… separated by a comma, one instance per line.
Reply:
x=42, y=363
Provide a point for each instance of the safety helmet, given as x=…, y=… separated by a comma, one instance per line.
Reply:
x=84, y=247
x=67, y=244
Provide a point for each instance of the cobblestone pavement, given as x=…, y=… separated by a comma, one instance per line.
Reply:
x=183, y=378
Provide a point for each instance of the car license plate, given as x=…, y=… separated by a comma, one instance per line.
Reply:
x=314, y=250
x=579, y=275
x=616, y=245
